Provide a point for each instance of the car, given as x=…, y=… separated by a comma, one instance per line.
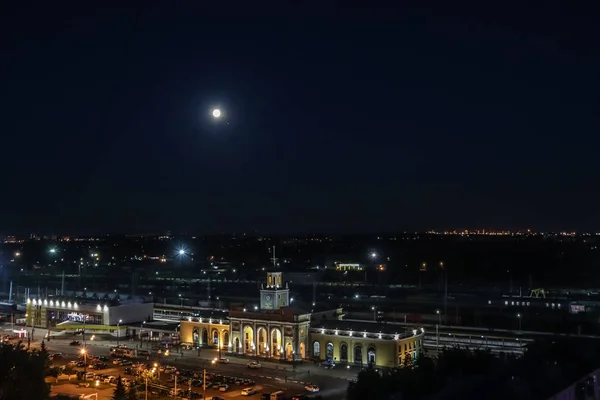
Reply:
x=312, y=388
x=223, y=360
x=75, y=343
x=253, y=365
x=248, y=391
x=73, y=363
x=223, y=388
x=83, y=385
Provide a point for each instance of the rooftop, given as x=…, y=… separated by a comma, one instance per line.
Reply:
x=346, y=328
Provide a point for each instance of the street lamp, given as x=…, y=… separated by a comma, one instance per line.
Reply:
x=141, y=339
x=437, y=328
x=84, y=352
x=374, y=313
x=147, y=374
x=519, y=318
x=118, y=330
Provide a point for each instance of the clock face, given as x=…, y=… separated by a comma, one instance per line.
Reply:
x=268, y=298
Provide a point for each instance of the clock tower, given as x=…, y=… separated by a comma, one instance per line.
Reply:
x=274, y=296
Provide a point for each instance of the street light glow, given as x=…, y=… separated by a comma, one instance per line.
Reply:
x=181, y=252
x=216, y=113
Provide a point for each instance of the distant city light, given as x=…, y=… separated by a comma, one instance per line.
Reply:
x=181, y=252
x=52, y=250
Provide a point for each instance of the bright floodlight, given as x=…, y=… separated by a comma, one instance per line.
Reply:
x=52, y=250
x=216, y=113
x=181, y=252
x=373, y=255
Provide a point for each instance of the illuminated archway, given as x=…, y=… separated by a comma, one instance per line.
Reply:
x=302, y=351
x=261, y=334
x=276, y=342
x=204, y=337
x=289, y=351
x=248, y=339
x=196, y=337
x=215, y=338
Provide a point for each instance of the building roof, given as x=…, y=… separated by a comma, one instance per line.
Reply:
x=343, y=327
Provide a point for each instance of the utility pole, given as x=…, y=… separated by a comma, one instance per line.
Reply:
x=204, y=385
x=445, y=292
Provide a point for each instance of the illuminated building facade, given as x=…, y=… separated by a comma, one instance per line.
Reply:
x=277, y=330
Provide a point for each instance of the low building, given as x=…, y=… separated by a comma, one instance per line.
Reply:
x=280, y=331
x=364, y=343
x=98, y=316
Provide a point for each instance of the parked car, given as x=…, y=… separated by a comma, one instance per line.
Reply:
x=253, y=365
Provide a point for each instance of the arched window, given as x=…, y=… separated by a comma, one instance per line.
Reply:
x=343, y=352
x=329, y=351
x=358, y=354
x=215, y=337
x=226, y=338
x=205, y=337
x=371, y=355
x=316, y=349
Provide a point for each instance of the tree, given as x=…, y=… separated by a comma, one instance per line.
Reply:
x=367, y=386
x=68, y=370
x=119, y=393
x=132, y=393
x=23, y=373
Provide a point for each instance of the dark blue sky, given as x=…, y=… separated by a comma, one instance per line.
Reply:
x=340, y=120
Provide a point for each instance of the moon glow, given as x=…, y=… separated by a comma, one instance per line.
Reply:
x=216, y=113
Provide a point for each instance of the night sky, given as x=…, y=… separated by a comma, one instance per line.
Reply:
x=335, y=120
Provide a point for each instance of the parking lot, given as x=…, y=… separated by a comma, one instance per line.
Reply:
x=99, y=371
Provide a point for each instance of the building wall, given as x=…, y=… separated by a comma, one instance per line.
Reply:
x=128, y=313
x=188, y=328
x=388, y=353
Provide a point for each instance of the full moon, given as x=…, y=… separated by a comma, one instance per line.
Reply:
x=216, y=113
